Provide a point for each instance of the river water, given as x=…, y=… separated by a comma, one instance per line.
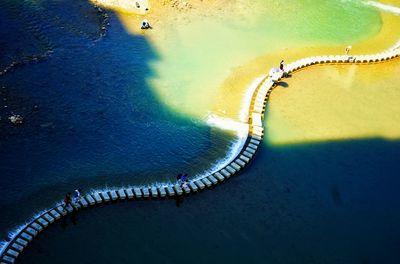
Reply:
x=125, y=109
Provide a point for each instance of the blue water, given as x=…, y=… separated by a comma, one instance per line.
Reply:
x=317, y=203
x=91, y=120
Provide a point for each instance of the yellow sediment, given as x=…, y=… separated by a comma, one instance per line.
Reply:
x=340, y=102
x=320, y=102
x=241, y=77
x=336, y=103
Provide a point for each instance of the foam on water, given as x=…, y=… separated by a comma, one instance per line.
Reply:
x=241, y=128
x=246, y=102
x=385, y=7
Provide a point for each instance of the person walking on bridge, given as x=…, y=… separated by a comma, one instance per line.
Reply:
x=67, y=200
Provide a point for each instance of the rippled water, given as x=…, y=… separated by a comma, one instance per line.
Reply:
x=338, y=203
x=91, y=120
x=117, y=110
x=201, y=53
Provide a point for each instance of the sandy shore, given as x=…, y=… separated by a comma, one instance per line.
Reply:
x=163, y=13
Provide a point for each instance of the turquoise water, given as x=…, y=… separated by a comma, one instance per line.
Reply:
x=198, y=54
x=93, y=118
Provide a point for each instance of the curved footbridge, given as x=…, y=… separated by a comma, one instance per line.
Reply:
x=21, y=238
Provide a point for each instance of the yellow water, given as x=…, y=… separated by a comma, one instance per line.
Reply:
x=209, y=53
x=336, y=103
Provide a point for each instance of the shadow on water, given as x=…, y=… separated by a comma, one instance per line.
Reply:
x=91, y=117
x=332, y=202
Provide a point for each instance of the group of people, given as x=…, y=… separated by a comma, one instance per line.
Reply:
x=69, y=198
x=182, y=179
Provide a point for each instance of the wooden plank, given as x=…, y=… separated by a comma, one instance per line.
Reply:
x=244, y=158
x=12, y=253
x=206, y=181
x=199, y=184
x=219, y=176
x=252, y=151
x=146, y=193
x=257, y=133
x=240, y=163
x=76, y=206
x=260, y=129
x=105, y=196
x=97, y=197
x=121, y=194
x=186, y=188
x=31, y=231
x=162, y=192
x=138, y=192
x=225, y=173
x=9, y=259
x=48, y=218
x=21, y=242
x=17, y=247
x=254, y=141
x=129, y=193
x=178, y=189
x=90, y=199
x=69, y=209
x=193, y=186
x=83, y=202
x=230, y=169
x=257, y=138
x=55, y=214
x=114, y=195
x=251, y=145
x=248, y=154
x=170, y=191
x=43, y=222
x=26, y=236
x=213, y=179
x=60, y=209
x=36, y=226
x=154, y=192
x=235, y=166
x=256, y=117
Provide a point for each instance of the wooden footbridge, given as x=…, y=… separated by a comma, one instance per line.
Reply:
x=21, y=238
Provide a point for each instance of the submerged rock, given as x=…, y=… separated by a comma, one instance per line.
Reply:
x=16, y=119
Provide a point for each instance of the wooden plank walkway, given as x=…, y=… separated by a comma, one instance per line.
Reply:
x=20, y=239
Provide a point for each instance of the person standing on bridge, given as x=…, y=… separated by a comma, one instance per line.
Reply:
x=77, y=195
x=281, y=65
x=67, y=200
x=347, y=50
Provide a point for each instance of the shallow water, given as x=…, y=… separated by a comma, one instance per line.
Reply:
x=117, y=110
x=351, y=102
x=200, y=53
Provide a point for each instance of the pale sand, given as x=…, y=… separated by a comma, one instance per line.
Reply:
x=163, y=13
x=140, y=7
